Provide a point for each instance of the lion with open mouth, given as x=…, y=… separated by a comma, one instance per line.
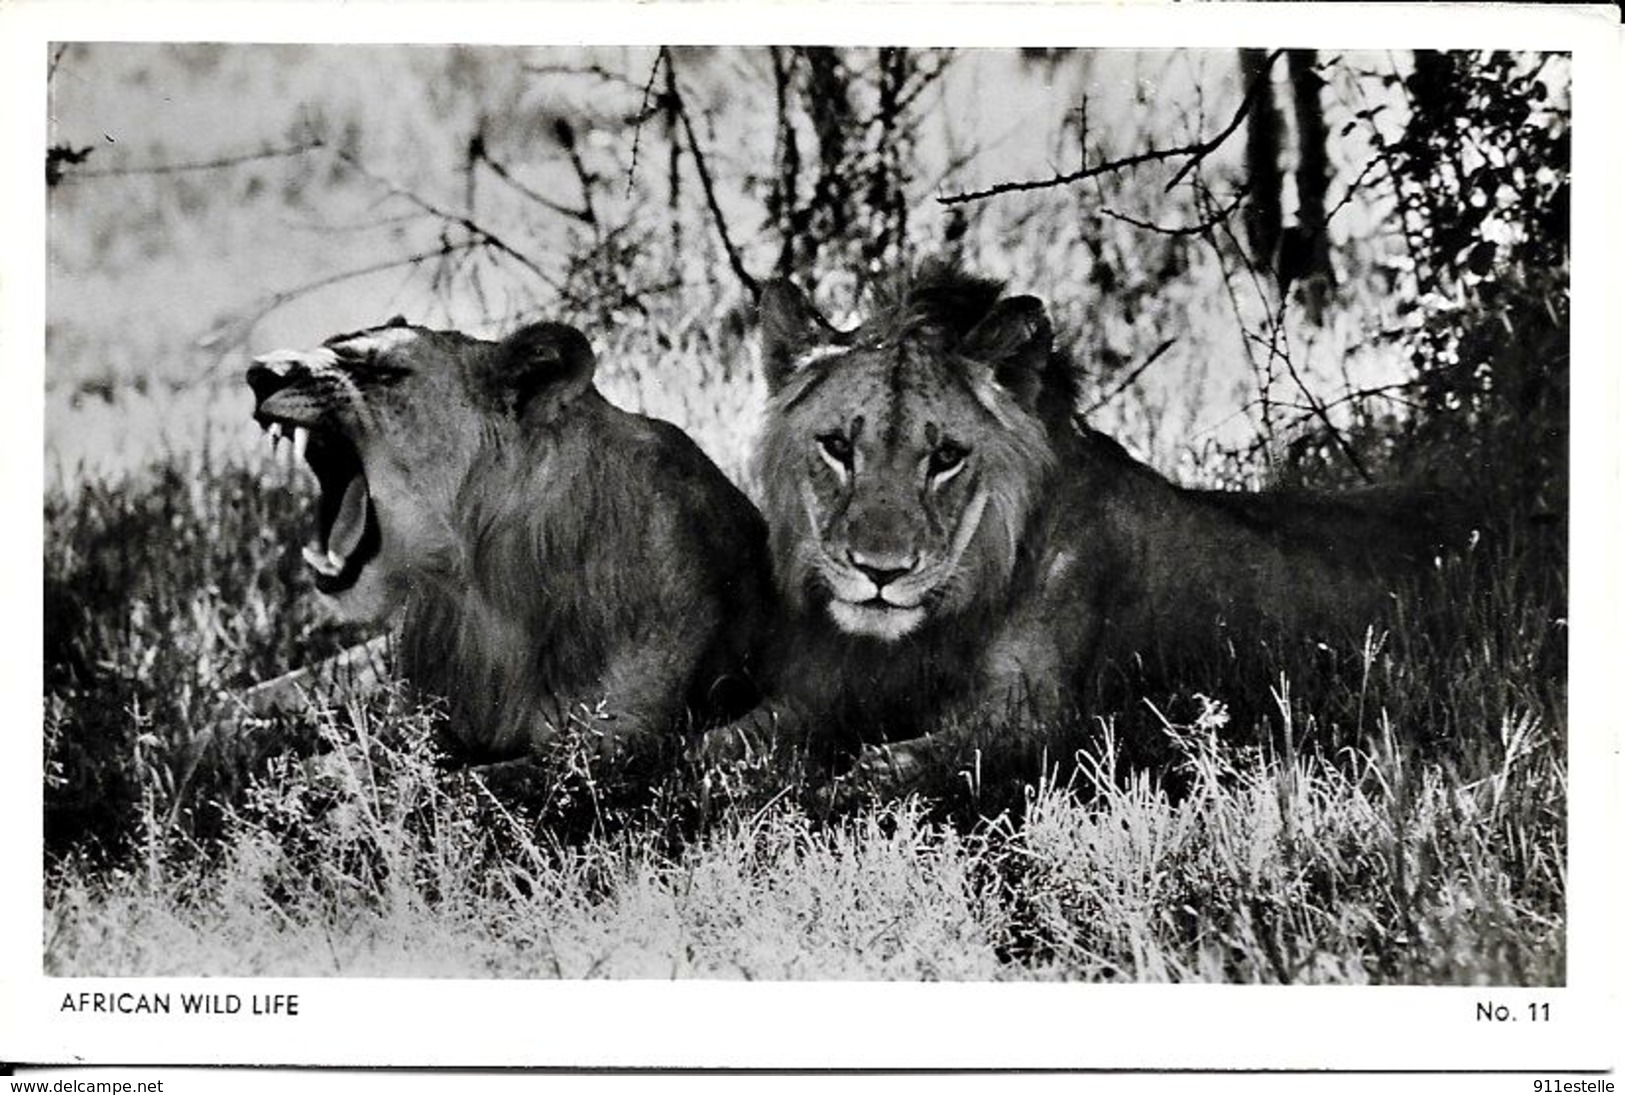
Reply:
x=550, y=557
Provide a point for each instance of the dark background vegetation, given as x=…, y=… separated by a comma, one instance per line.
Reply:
x=1275, y=269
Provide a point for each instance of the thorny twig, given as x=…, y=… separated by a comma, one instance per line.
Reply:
x=1316, y=407
x=1263, y=376
x=644, y=114
x=1378, y=391
x=331, y=228
x=1206, y=224
x=1276, y=324
x=501, y=171
x=202, y=165
x=598, y=71
x=706, y=186
x=1348, y=194
x=1194, y=152
x=240, y=326
x=1124, y=384
x=482, y=234
x=584, y=176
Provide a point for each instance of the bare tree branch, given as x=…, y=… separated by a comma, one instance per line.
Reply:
x=482, y=234
x=334, y=228
x=1124, y=384
x=1194, y=153
x=1276, y=324
x=1263, y=375
x=1389, y=392
x=1348, y=195
x=1308, y=412
x=706, y=186
x=566, y=135
x=644, y=114
x=236, y=329
x=202, y=165
x=598, y=71
x=923, y=78
x=1410, y=232
x=1201, y=227
x=1315, y=407
x=500, y=171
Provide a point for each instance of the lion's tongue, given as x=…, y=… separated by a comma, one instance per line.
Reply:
x=351, y=520
x=349, y=524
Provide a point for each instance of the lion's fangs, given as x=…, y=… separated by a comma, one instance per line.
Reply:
x=325, y=561
x=301, y=442
x=328, y=564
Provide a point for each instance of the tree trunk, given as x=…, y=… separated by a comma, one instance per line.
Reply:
x=1312, y=266
x=1263, y=215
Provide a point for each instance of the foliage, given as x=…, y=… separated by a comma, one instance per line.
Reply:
x=1480, y=177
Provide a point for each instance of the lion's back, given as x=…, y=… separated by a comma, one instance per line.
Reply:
x=1175, y=567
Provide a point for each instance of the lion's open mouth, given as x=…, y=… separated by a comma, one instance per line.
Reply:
x=346, y=530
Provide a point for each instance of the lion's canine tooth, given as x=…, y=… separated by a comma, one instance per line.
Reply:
x=323, y=562
x=274, y=432
x=301, y=439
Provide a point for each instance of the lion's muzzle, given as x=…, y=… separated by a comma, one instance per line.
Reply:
x=876, y=594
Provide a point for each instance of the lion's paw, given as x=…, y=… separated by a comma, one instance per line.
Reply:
x=880, y=772
x=510, y=780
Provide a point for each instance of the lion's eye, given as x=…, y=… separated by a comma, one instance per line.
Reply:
x=946, y=459
x=837, y=447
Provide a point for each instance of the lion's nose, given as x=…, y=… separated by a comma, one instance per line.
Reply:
x=881, y=567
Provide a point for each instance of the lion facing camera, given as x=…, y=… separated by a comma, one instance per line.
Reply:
x=953, y=546
x=548, y=554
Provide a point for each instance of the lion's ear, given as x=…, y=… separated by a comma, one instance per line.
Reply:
x=790, y=327
x=540, y=368
x=1014, y=339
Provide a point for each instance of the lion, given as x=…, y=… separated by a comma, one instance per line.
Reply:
x=954, y=547
x=549, y=556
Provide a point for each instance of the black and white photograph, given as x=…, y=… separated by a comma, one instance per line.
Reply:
x=579, y=511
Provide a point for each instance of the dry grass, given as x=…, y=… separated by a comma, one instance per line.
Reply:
x=1414, y=832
